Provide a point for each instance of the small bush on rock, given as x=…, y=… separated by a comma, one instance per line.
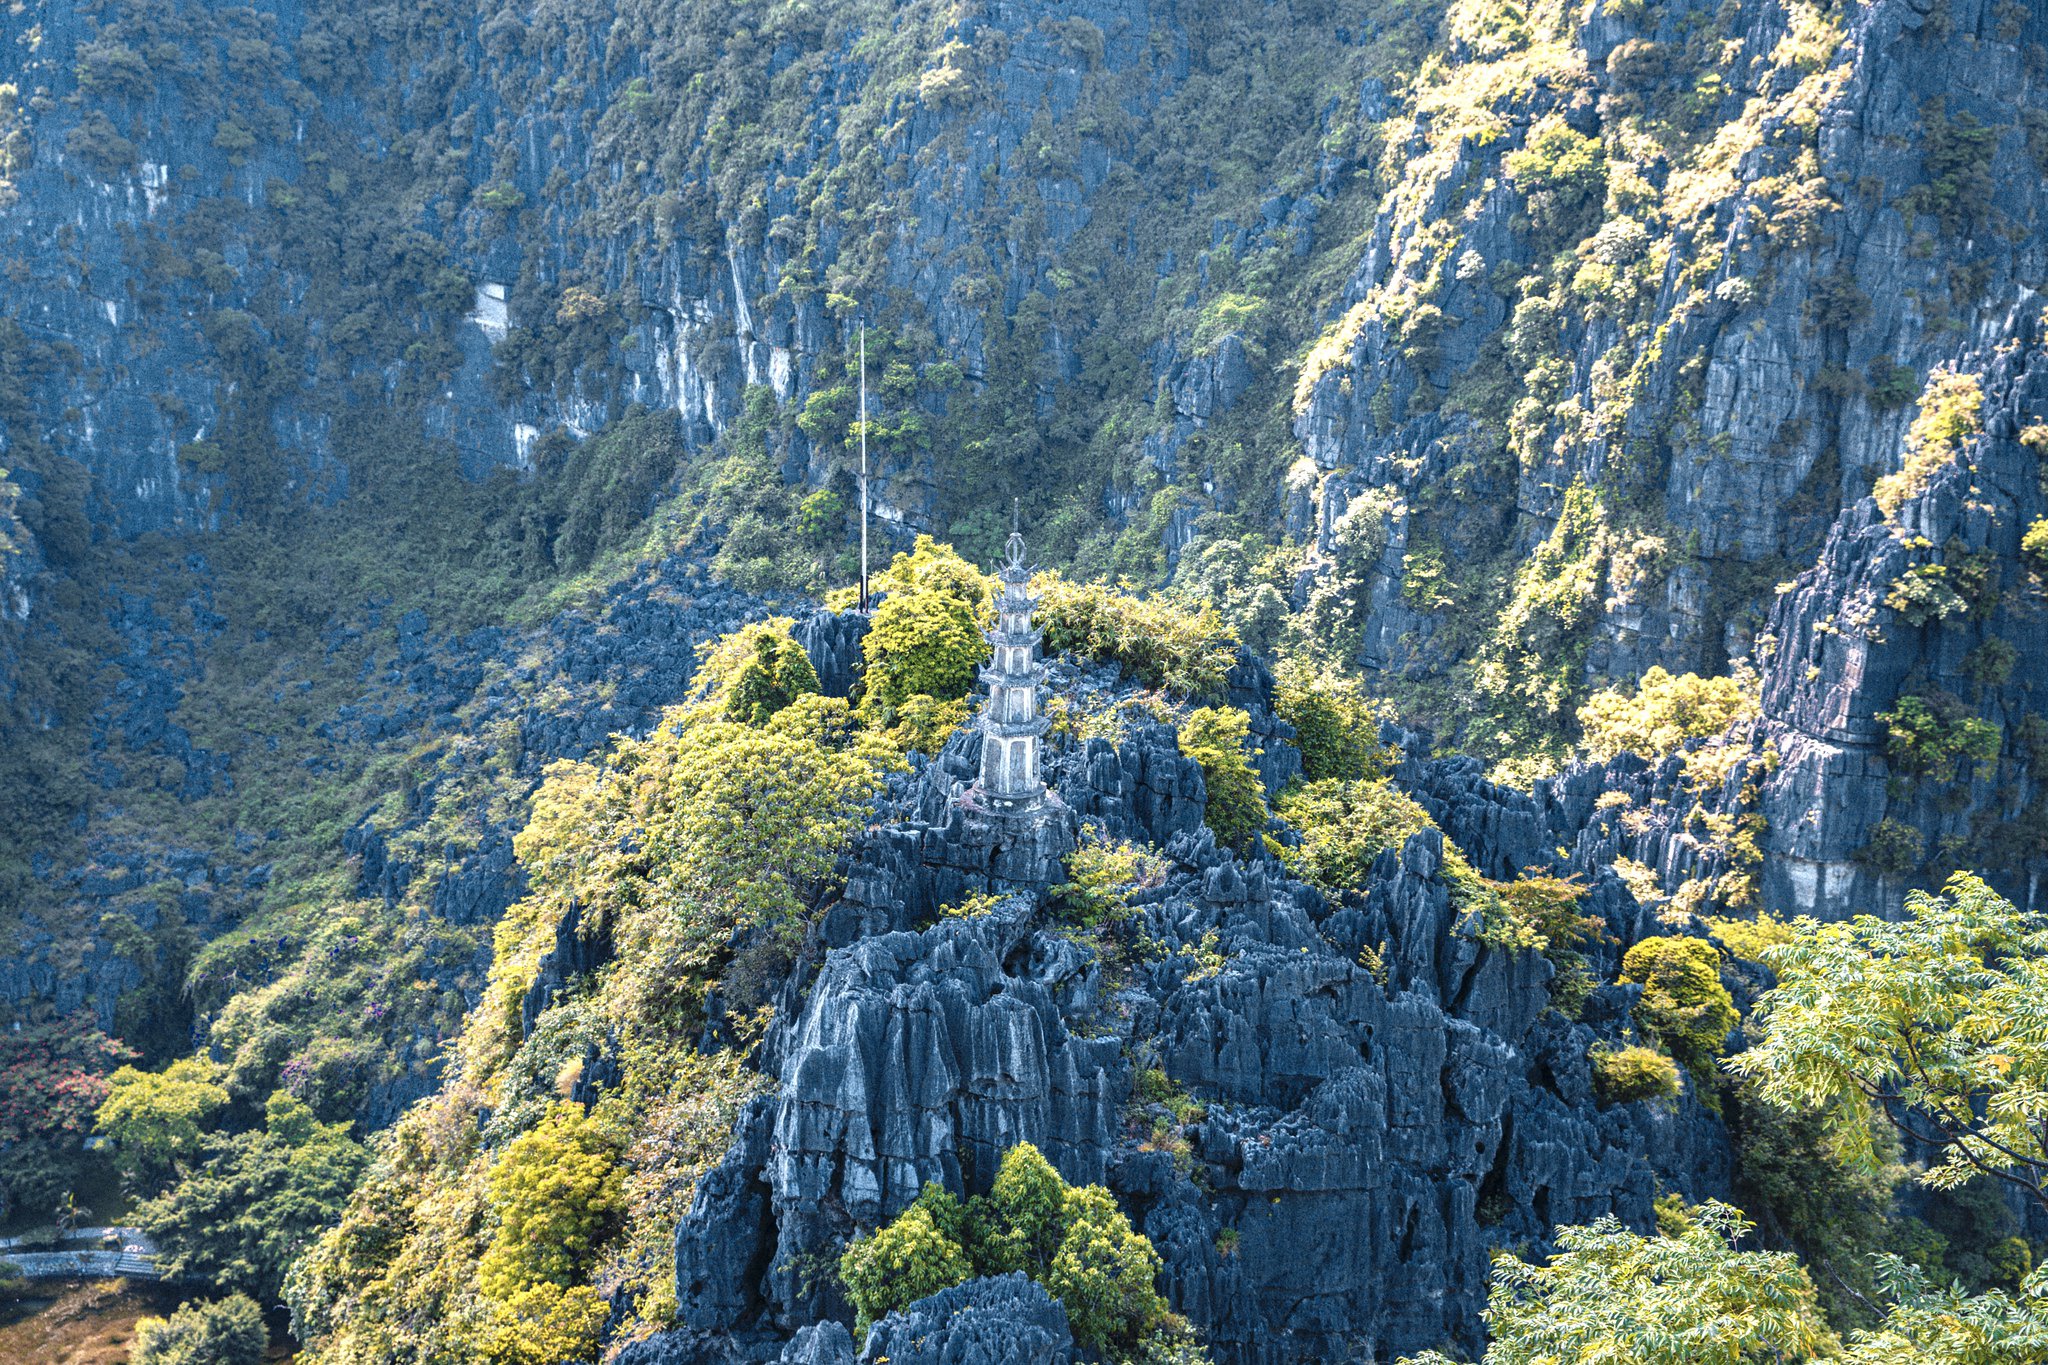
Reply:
x=1334, y=725
x=1625, y=1074
x=1156, y=642
x=1664, y=712
x=1344, y=828
x=899, y=1264
x=1684, y=1006
x=1073, y=1240
x=1951, y=413
x=1933, y=734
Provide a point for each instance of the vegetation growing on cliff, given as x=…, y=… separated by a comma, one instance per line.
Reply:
x=1071, y=1239
x=1923, y=1028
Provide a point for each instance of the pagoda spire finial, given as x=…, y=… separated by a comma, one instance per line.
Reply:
x=1014, y=549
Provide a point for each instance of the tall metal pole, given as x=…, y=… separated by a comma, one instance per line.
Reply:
x=863, y=465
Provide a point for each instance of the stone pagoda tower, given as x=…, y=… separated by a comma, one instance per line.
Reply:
x=1010, y=724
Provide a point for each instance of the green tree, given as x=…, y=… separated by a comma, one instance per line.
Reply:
x=926, y=641
x=1215, y=738
x=1931, y=1025
x=1930, y=735
x=258, y=1197
x=1684, y=1006
x=752, y=822
x=1104, y=1273
x=1946, y=1326
x=158, y=1118
x=1074, y=1241
x=1614, y=1297
x=1028, y=1211
x=1334, y=725
x=896, y=1265
x=1345, y=826
x=753, y=673
x=558, y=1193
x=225, y=1331
x=1663, y=712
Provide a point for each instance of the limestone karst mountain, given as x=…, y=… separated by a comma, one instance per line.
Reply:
x=1590, y=448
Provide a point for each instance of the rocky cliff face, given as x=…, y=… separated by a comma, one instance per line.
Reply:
x=1501, y=354
x=1365, y=1137
x=1695, y=262
x=1535, y=469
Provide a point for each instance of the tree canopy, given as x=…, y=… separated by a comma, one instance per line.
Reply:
x=1071, y=1239
x=1615, y=1297
x=1936, y=1024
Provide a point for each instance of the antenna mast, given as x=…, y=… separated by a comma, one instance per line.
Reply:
x=863, y=464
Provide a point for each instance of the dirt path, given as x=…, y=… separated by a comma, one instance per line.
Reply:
x=89, y=1322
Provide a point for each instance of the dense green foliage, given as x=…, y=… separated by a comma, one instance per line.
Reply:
x=505, y=1219
x=1938, y=735
x=1156, y=642
x=1624, y=1074
x=1345, y=826
x=158, y=1118
x=1614, y=1297
x=1073, y=1240
x=1683, y=1006
x=900, y=1263
x=1929, y=1024
x=238, y=1220
x=1334, y=725
x=225, y=1331
x=755, y=672
x=924, y=644
x=1663, y=713
x=1215, y=737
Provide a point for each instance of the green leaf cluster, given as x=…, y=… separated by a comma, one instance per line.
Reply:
x=225, y=1331
x=159, y=1118
x=238, y=1220
x=1335, y=726
x=1157, y=642
x=1215, y=737
x=1932, y=734
x=1635, y=1072
x=753, y=673
x=1345, y=826
x=1615, y=1297
x=1683, y=1006
x=1930, y=1024
x=1071, y=1239
x=1663, y=712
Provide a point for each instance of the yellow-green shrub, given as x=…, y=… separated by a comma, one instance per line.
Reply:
x=1633, y=1073
x=1345, y=826
x=1663, y=712
x=1215, y=738
x=1155, y=641
x=1684, y=1006
x=1951, y=413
